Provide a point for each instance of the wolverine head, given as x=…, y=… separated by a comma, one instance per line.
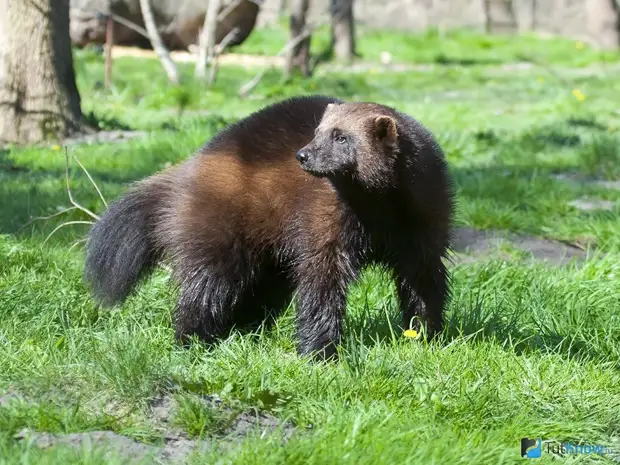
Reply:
x=358, y=140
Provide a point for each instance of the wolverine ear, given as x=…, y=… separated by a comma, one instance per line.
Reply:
x=385, y=129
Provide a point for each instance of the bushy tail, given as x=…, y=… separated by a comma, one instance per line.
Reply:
x=120, y=247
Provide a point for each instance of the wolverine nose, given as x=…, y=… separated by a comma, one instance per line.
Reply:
x=302, y=155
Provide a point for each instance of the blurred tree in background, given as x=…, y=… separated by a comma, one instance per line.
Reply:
x=38, y=95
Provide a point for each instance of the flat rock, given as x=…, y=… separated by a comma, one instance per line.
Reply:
x=590, y=204
x=580, y=179
x=614, y=185
x=470, y=244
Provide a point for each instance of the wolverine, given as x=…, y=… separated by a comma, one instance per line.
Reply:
x=292, y=201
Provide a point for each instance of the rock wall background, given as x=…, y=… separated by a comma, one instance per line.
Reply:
x=178, y=21
x=594, y=21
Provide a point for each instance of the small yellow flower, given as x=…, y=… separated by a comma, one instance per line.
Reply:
x=540, y=80
x=412, y=333
x=579, y=95
x=55, y=147
x=313, y=85
x=578, y=45
x=373, y=71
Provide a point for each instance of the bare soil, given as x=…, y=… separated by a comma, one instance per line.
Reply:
x=175, y=445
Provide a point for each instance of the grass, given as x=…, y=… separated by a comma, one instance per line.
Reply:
x=529, y=350
x=458, y=47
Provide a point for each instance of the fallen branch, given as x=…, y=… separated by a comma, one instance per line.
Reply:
x=74, y=204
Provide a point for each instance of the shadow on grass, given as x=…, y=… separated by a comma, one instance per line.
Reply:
x=523, y=334
x=442, y=59
x=104, y=123
x=565, y=133
x=473, y=321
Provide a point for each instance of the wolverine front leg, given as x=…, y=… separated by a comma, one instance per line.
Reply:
x=322, y=292
x=422, y=291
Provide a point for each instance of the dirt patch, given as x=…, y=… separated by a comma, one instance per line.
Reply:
x=162, y=410
x=175, y=446
x=108, y=442
x=386, y=63
x=9, y=397
x=472, y=244
x=103, y=137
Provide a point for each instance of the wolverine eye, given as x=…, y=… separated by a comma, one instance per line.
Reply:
x=340, y=138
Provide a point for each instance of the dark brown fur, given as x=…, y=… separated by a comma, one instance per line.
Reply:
x=244, y=226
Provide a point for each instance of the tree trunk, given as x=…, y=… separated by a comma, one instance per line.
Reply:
x=603, y=23
x=38, y=95
x=343, y=30
x=501, y=16
x=299, y=55
x=282, y=4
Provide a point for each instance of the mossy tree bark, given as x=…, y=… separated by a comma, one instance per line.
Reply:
x=39, y=99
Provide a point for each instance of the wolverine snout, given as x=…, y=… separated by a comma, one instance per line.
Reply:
x=302, y=155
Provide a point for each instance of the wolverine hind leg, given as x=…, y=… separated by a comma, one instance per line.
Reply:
x=211, y=303
x=205, y=306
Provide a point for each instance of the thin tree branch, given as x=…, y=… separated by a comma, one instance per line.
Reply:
x=48, y=217
x=207, y=39
x=109, y=39
x=91, y=180
x=229, y=9
x=308, y=28
x=79, y=241
x=219, y=49
x=68, y=223
x=73, y=202
x=246, y=88
x=128, y=24
x=157, y=44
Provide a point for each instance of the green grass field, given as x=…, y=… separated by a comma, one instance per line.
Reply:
x=530, y=349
